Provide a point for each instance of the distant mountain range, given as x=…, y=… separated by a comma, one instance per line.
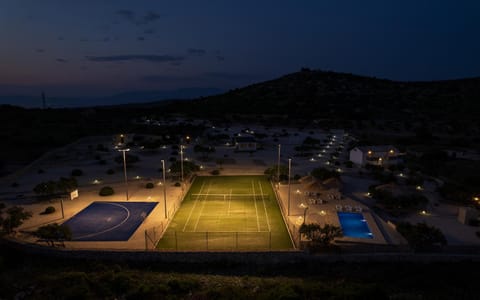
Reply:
x=123, y=98
x=325, y=94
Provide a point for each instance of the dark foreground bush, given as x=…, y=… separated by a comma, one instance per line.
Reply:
x=77, y=172
x=215, y=172
x=106, y=191
x=149, y=185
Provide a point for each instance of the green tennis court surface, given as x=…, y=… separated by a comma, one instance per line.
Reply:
x=228, y=213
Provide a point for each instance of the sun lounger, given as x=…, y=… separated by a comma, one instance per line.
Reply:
x=348, y=208
x=338, y=207
x=358, y=208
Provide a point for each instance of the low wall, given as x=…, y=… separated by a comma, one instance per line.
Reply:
x=236, y=258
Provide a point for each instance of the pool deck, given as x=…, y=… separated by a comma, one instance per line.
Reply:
x=326, y=213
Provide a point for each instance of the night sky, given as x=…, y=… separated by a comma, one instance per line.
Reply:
x=100, y=48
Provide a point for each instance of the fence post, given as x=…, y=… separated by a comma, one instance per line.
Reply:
x=270, y=240
x=146, y=241
x=176, y=243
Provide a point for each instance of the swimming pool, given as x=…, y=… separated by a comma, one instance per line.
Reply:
x=354, y=225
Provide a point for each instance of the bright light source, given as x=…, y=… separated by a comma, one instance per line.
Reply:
x=369, y=152
x=322, y=213
x=423, y=212
x=476, y=198
x=137, y=177
x=298, y=191
x=419, y=188
x=96, y=181
x=339, y=170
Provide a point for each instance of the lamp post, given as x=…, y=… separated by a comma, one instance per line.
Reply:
x=181, y=162
x=125, y=170
x=289, y=170
x=278, y=164
x=164, y=189
x=305, y=207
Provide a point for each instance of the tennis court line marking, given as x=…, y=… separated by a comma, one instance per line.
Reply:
x=111, y=228
x=264, y=206
x=203, y=206
x=229, y=202
x=256, y=209
x=193, y=207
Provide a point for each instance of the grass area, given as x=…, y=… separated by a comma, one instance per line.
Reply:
x=228, y=213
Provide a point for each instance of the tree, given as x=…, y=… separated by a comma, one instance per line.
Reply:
x=188, y=167
x=421, y=237
x=52, y=233
x=45, y=188
x=272, y=172
x=14, y=219
x=205, y=150
x=323, y=235
x=66, y=185
x=324, y=174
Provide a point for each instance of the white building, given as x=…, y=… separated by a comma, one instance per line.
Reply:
x=245, y=143
x=376, y=155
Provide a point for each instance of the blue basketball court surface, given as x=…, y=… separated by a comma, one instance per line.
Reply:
x=109, y=221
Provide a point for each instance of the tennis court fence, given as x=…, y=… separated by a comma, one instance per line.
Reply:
x=215, y=241
x=230, y=197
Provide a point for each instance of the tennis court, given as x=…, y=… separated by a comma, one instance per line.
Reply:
x=109, y=221
x=228, y=212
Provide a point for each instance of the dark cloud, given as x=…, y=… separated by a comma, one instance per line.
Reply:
x=220, y=58
x=127, y=14
x=140, y=38
x=229, y=76
x=39, y=50
x=151, y=17
x=133, y=57
x=196, y=51
x=130, y=16
x=161, y=78
x=149, y=31
x=61, y=60
x=209, y=76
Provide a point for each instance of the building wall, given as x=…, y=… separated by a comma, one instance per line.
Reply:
x=357, y=156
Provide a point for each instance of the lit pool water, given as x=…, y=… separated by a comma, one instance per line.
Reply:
x=354, y=225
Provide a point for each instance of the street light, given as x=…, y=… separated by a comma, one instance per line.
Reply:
x=125, y=169
x=289, y=171
x=181, y=162
x=164, y=189
x=305, y=207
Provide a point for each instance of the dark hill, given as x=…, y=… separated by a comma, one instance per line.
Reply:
x=323, y=94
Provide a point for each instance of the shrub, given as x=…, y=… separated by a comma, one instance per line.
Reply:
x=177, y=184
x=15, y=184
x=215, y=172
x=106, y=191
x=110, y=171
x=77, y=172
x=149, y=185
x=48, y=210
x=421, y=237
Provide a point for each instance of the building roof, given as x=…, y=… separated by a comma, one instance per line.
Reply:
x=245, y=139
x=378, y=148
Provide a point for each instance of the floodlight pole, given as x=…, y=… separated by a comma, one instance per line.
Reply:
x=164, y=189
x=181, y=162
x=289, y=170
x=278, y=164
x=125, y=170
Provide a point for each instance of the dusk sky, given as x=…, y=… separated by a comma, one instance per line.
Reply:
x=99, y=48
